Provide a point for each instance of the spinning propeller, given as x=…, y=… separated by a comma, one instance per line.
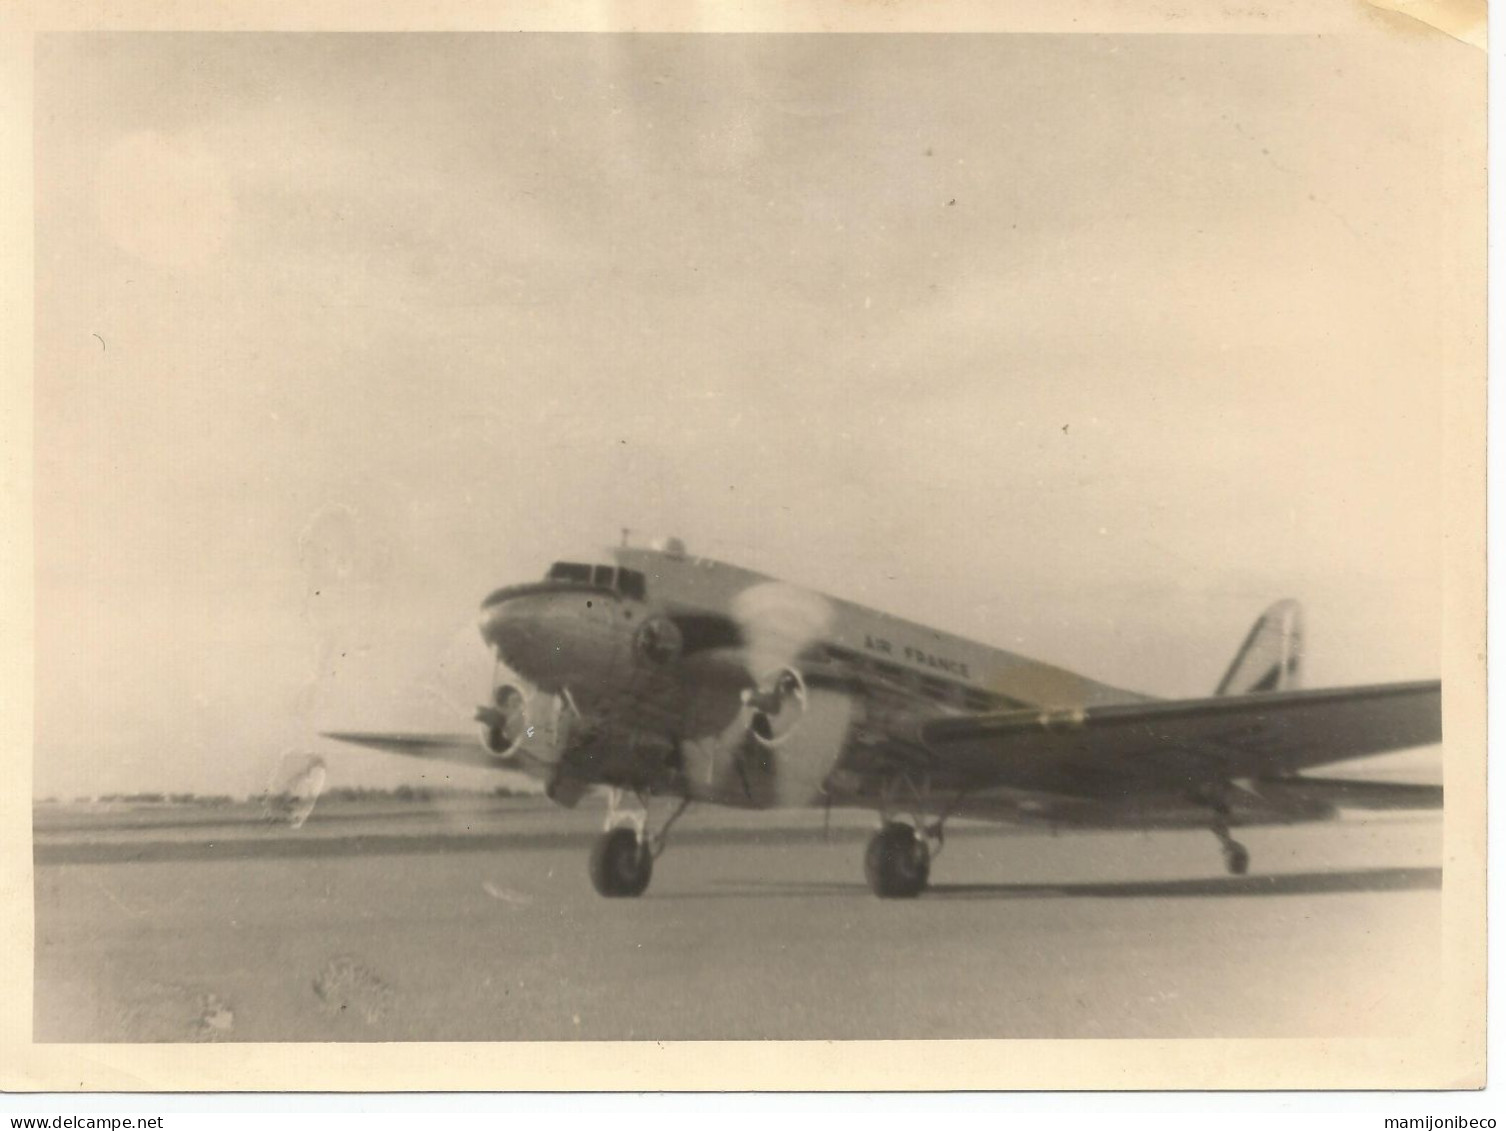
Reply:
x=294, y=788
x=778, y=705
x=778, y=624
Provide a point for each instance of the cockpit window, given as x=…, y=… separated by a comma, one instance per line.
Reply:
x=569, y=571
x=631, y=583
x=628, y=582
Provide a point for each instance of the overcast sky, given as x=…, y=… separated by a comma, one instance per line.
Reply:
x=1086, y=347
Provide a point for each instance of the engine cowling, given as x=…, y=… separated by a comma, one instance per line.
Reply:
x=659, y=641
x=504, y=725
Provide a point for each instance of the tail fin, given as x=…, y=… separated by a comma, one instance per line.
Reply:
x=1270, y=659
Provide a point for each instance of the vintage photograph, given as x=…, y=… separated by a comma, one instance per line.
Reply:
x=656, y=537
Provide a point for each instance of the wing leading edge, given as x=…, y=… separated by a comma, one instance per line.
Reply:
x=461, y=749
x=1095, y=750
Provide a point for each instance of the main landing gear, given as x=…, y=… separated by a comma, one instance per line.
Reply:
x=621, y=864
x=622, y=859
x=898, y=862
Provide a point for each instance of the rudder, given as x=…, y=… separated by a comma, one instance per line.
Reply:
x=1270, y=659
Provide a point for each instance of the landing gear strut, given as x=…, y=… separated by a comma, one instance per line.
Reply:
x=622, y=859
x=1236, y=855
x=898, y=862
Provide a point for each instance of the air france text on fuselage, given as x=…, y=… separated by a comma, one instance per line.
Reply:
x=918, y=656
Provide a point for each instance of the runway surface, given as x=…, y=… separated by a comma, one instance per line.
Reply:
x=476, y=921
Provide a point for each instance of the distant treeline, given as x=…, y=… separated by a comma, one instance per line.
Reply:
x=335, y=793
x=411, y=793
x=209, y=799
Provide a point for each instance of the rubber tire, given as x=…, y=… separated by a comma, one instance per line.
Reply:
x=620, y=866
x=1236, y=859
x=897, y=863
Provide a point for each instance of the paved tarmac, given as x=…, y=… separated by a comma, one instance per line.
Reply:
x=475, y=920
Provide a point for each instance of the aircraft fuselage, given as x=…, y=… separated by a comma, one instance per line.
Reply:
x=664, y=674
x=672, y=674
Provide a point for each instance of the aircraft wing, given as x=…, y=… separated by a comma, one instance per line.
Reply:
x=1109, y=750
x=463, y=749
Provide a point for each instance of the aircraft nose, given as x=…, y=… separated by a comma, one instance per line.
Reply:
x=513, y=628
x=547, y=637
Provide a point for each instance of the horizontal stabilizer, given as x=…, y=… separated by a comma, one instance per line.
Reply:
x=1354, y=794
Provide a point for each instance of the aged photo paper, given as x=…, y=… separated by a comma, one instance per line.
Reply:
x=877, y=427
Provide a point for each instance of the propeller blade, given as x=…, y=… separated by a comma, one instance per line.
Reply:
x=779, y=622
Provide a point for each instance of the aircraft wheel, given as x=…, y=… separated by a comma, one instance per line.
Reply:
x=1236, y=858
x=898, y=863
x=620, y=865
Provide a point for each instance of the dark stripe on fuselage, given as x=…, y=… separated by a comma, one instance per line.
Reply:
x=508, y=592
x=704, y=632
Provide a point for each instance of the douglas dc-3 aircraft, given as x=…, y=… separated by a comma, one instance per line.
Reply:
x=667, y=675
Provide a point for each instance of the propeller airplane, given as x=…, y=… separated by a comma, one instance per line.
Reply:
x=665, y=675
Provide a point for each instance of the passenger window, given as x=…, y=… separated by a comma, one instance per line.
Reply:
x=603, y=576
x=631, y=583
